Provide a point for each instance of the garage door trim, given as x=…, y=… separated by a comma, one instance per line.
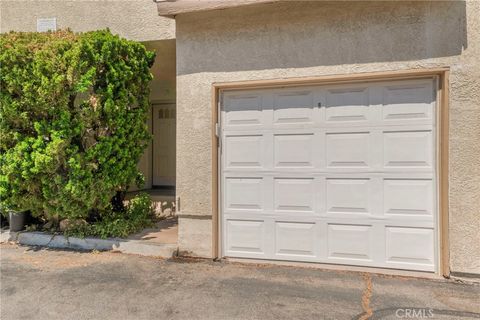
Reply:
x=442, y=74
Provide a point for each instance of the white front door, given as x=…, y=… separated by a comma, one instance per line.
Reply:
x=341, y=174
x=164, y=144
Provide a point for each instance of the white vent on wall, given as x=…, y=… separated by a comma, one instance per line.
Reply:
x=46, y=24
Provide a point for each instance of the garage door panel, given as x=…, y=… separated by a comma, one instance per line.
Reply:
x=408, y=197
x=245, y=194
x=348, y=149
x=245, y=236
x=410, y=246
x=339, y=174
x=414, y=101
x=358, y=200
x=352, y=242
x=294, y=195
x=243, y=110
x=294, y=150
x=244, y=151
x=295, y=238
x=408, y=149
x=347, y=241
x=292, y=107
x=347, y=104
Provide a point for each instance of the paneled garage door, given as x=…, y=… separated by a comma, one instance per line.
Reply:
x=341, y=174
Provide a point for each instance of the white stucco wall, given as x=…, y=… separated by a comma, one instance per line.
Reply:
x=132, y=19
x=296, y=39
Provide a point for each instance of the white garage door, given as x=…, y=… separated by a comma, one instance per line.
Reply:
x=340, y=174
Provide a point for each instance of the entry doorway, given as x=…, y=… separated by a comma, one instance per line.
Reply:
x=164, y=145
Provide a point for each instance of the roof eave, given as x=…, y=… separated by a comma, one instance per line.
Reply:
x=171, y=8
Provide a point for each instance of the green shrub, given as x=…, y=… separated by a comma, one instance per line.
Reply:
x=72, y=120
x=137, y=215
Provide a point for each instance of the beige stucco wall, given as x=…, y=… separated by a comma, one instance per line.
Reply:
x=316, y=38
x=132, y=19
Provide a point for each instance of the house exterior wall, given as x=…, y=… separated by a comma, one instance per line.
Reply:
x=294, y=39
x=133, y=19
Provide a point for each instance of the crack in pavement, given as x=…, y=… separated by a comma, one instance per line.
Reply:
x=366, y=297
x=369, y=313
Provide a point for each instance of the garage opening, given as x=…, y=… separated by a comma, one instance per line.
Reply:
x=341, y=174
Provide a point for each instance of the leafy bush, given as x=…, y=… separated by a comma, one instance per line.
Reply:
x=72, y=121
x=137, y=215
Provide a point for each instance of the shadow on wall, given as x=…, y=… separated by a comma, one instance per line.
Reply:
x=162, y=87
x=308, y=34
x=299, y=103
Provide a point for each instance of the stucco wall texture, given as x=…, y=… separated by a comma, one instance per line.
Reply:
x=296, y=39
x=132, y=19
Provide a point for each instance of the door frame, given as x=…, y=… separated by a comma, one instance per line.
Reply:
x=442, y=141
x=153, y=105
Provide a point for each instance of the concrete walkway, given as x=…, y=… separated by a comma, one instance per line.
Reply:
x=164, y=232
x=50, y=284
x=158, y=241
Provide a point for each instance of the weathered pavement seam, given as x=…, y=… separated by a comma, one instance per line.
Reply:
x=366, y=297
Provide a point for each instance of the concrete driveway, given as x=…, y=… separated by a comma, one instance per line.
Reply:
x=46, y=284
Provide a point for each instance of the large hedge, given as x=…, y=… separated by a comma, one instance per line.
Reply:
x=73, y=114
